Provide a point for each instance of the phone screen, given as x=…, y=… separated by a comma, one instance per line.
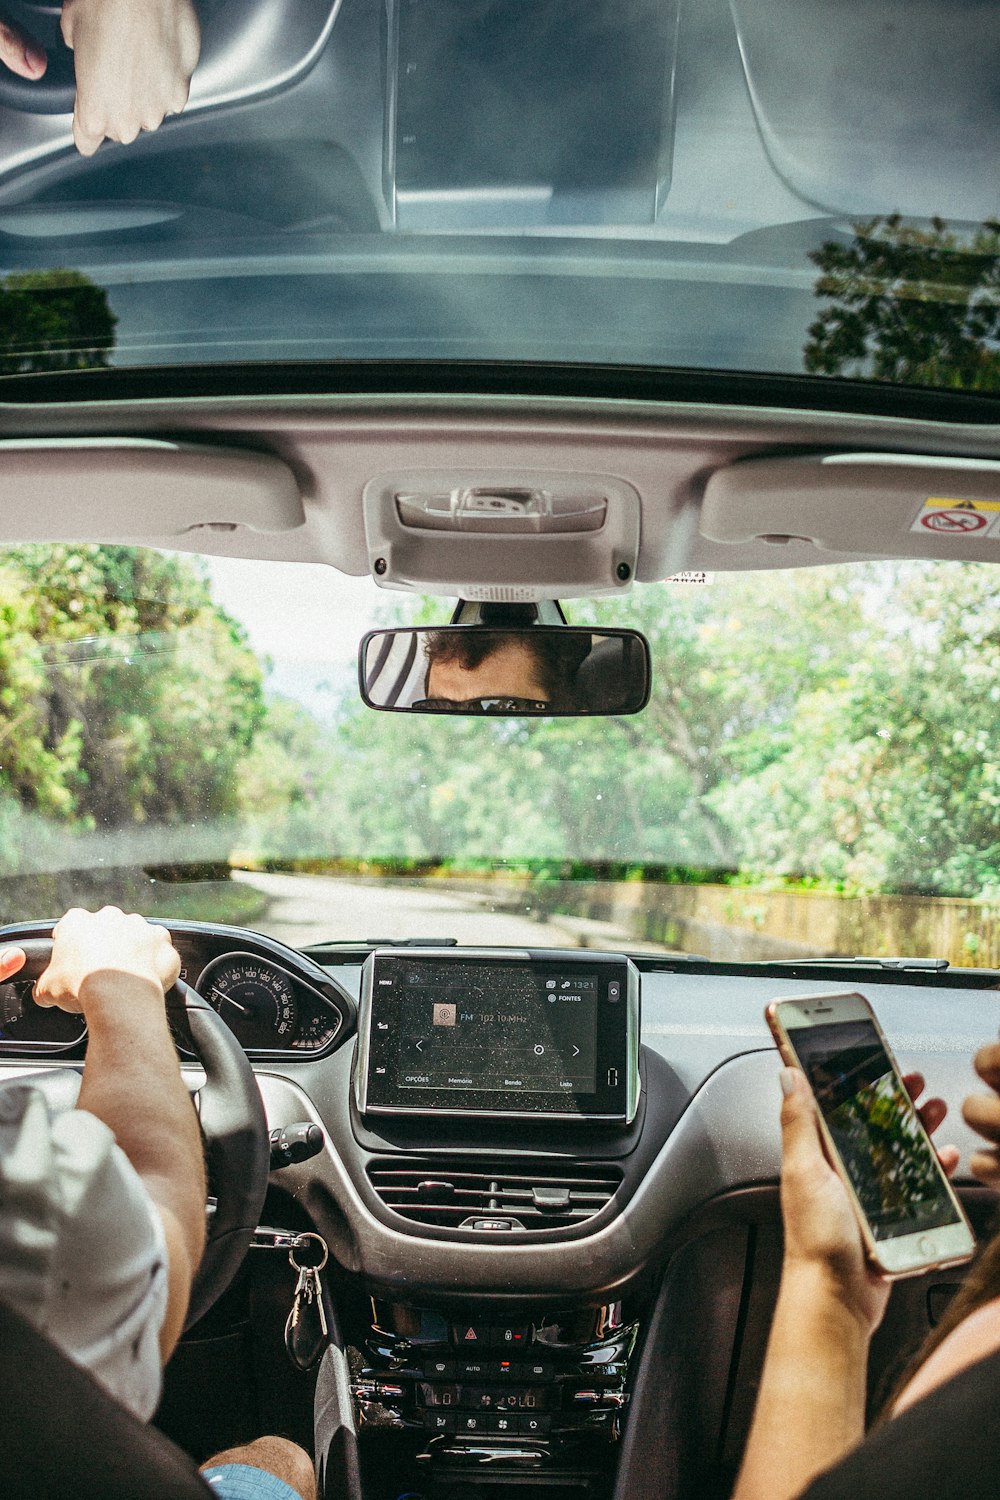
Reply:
x=891, y=1165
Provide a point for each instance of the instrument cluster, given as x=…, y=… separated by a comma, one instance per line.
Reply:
x=277, y=1002
x=264, y=997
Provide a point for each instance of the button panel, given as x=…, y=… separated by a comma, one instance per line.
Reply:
x=552, y=1384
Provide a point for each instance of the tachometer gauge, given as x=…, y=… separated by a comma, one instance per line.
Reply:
x=255, y=998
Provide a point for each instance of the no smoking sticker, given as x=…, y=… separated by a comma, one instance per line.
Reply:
x=958, y=518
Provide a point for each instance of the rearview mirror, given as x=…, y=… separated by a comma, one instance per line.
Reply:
x=534, y=671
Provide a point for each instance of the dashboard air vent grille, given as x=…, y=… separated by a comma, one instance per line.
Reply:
x=453, y=1192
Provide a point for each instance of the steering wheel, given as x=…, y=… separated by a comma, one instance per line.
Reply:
x=233, y=1124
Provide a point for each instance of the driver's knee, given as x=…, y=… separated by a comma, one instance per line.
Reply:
x=277, y=1456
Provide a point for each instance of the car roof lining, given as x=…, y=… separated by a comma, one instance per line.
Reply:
x=298, y=467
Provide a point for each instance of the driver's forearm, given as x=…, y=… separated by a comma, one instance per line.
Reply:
x=132, y=1081
x=811, y=1403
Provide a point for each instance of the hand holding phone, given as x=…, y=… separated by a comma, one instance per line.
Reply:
x=909, y=1217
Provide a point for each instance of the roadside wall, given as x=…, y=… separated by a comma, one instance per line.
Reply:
x=737, y=923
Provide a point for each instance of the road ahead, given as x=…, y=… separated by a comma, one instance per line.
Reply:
x=320, y=908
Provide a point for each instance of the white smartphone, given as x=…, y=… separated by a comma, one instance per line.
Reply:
x=911, y=1221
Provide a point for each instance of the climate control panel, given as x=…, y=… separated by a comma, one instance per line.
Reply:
x=525, y=1392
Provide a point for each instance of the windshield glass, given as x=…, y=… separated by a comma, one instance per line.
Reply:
x=816, y=772
x=772, y=186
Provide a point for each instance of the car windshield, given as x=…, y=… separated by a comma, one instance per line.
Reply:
x=816, y=773
x=783, y=189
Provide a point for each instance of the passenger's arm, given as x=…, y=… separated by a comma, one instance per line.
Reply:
x=811, y=1403
x=115, y=970
x=134, y=60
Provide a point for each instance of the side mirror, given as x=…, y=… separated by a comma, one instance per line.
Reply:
x=532, y=671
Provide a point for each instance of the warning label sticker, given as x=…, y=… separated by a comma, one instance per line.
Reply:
x=959, y=518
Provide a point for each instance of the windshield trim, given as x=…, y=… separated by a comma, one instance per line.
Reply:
x=687, y=387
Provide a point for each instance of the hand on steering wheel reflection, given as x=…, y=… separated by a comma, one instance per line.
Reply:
x=133, y=61
x=19, y=53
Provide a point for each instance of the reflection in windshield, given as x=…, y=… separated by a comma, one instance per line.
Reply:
x=626, y=183
x=54, y=320
x=815, y=772
x=910, y=304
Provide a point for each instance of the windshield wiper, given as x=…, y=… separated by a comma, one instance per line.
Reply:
x=932, y=965
x=388, y=942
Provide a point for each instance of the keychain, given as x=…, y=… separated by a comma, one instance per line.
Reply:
x=306, y=1332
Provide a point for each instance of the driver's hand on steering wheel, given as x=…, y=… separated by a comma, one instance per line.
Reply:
x=102, y=958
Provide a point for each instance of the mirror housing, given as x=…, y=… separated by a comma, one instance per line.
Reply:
x=514, y=671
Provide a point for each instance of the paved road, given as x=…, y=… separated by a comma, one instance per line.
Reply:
x=320, y=908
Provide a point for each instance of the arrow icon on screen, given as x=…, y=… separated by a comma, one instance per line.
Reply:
x=576, y=1052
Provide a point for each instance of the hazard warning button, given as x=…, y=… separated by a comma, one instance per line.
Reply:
x=470, y=1335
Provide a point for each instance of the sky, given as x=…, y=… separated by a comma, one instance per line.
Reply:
x=307, y=618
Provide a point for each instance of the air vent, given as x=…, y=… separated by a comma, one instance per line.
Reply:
x=453, y=1193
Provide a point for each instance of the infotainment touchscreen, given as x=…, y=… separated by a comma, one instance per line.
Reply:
x=499, y=1034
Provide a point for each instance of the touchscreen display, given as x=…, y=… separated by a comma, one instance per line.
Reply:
x=874, y=1125
x=495, y=1035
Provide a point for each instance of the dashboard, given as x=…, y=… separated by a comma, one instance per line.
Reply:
x=530, y=1277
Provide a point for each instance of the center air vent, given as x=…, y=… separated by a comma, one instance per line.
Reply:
x=453, y=1193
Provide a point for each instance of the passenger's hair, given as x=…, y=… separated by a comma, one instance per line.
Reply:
x=556, y=660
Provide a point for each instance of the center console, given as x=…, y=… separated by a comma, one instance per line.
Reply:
x=498, y=1088
x=527, y=1396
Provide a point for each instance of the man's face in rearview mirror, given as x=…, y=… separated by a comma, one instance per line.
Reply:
x=458, y=672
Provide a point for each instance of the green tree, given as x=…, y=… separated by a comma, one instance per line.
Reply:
x=126, y=695
x=731, y=662
x=910, y=304
x=53, y=320
x=889, y=778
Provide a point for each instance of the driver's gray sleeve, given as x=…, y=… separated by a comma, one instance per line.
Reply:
x=82, y=1250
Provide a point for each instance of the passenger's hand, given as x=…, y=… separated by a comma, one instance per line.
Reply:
x=19, y=53
x=822, y=1236
x=982, y=1112
x=99, y=958
x=134, y=60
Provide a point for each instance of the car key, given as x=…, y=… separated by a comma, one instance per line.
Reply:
x=306, y=1331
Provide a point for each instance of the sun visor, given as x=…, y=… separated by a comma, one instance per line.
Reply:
x=508, y=537
x=862, y=504
x=140, y=489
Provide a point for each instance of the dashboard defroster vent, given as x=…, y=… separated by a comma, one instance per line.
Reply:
x=453, y=1193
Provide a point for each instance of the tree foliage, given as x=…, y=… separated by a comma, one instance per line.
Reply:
x=910, y=304
x=53, y=320
x=890, y=777
x=126, y=695
x=825, y=725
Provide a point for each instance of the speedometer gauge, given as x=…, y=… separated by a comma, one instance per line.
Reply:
x=255, y=998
